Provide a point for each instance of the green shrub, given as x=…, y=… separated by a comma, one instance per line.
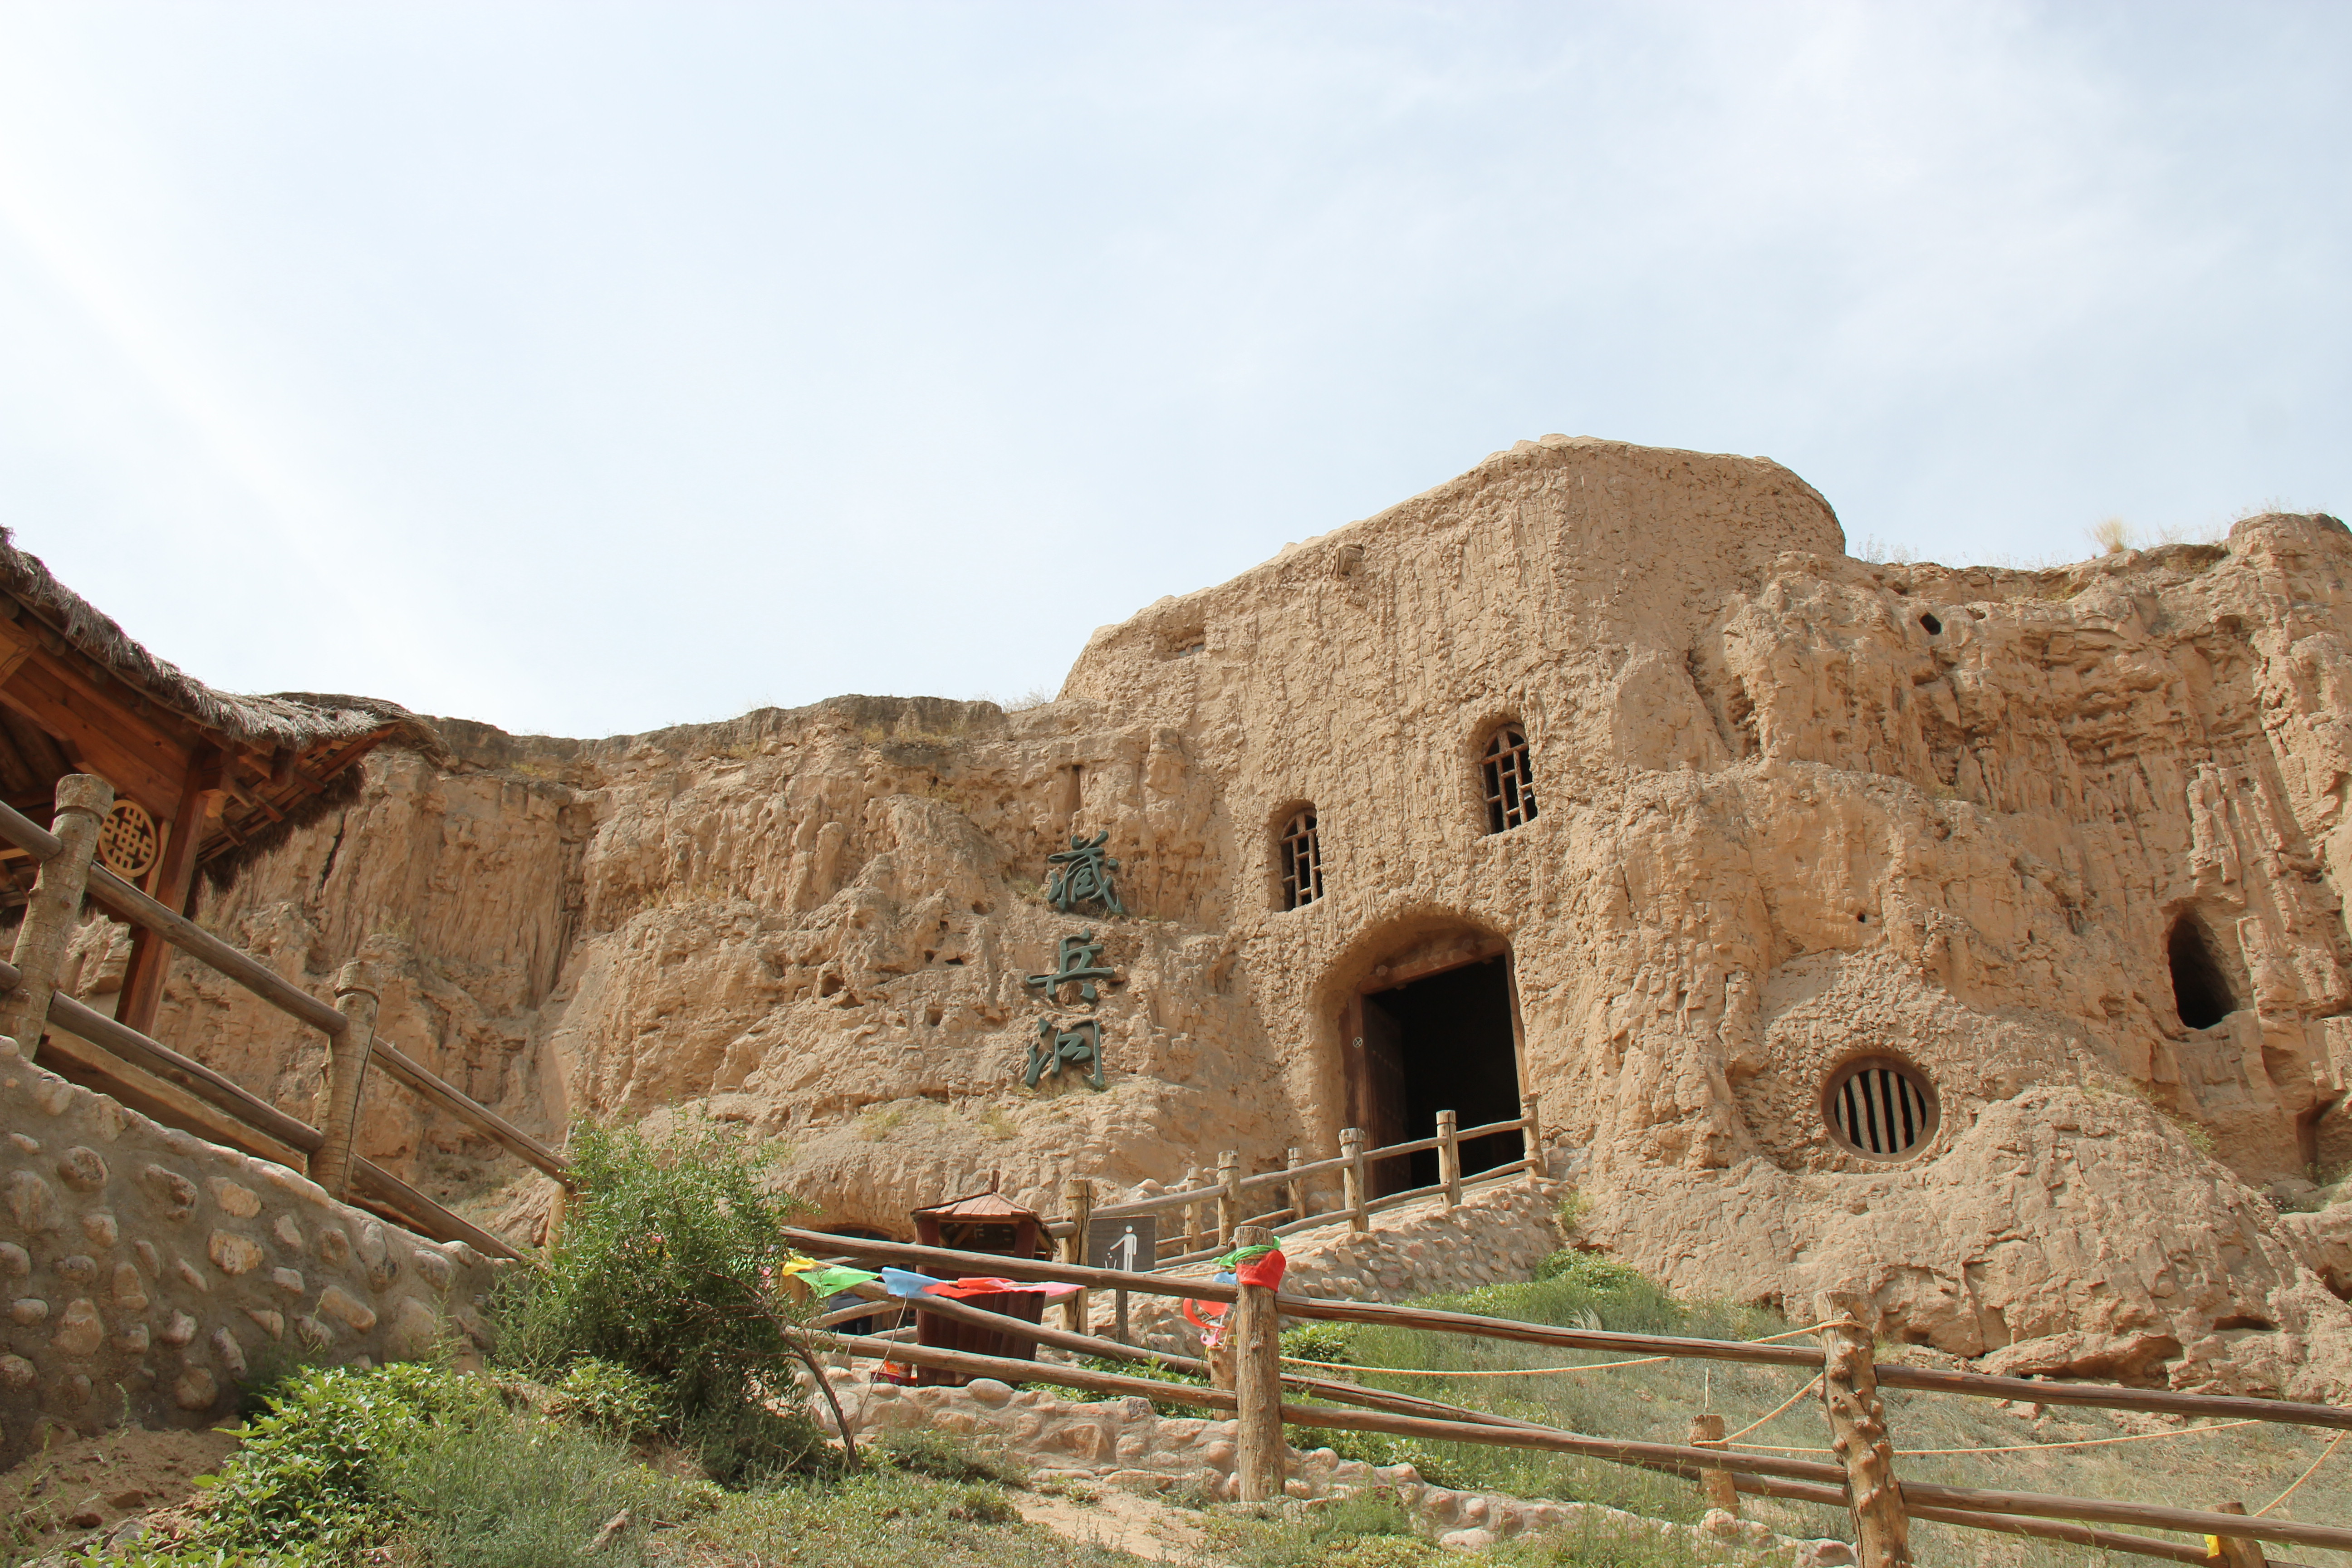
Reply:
x=306, y=1485
x=1590, y=1271
x=666, y=1269
x=611, y=1399
x=1319, y=1342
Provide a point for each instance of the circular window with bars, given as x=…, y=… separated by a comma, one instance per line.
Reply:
x=1880, y=1108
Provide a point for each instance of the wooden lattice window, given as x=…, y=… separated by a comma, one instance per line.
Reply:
x=1510, y=780
x=127, y=840
x=1301, y=860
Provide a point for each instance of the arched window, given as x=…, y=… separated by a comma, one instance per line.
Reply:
x=2201, y=989
x=1509, y=778
x=1301, y=858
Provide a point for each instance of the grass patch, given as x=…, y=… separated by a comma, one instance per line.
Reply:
x=883, y=1518
x=1157, y=1370
x=944, y=1456
x=522, y=1494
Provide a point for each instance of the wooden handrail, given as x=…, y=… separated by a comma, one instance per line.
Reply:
x=1805, y=1357
x=27, y=835
x=1156, y=1202
x=201, y=945
x=1999, y=1523
x=1113, y=1350
x=2057, y=1530
x=1398, y=1151
x=412, y=1208
x=1339, y=1163
x=132, y=1046
x=2107, y=1396
x=414, y=1074
x=1515, y=1124
x=2103, y=1510
x=1671, y=1457
x=128, y=1044
x=123, y=899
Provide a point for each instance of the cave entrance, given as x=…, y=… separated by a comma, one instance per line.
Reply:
x=2201, y=988
x=1440, y=1034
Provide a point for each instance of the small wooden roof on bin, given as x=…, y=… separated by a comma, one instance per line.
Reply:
x=980, y=1222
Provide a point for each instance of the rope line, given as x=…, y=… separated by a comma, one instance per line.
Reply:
x=2325, y=1454
x=1472, y=1372
x=1784, y=1404
x=2028, y=1447
x=1540, y=1371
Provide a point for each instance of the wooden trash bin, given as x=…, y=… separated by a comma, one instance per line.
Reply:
x=983, y=1222
x=946, y=1333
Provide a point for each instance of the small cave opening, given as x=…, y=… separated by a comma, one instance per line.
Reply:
x=1934, y=628
x=2200, y=990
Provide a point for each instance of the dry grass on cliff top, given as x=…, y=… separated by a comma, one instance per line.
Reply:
x=2249, y=1464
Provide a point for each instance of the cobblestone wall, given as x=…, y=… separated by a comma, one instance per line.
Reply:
x=145, y=1273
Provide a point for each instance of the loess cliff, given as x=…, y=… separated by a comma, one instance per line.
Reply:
x=2067, y=845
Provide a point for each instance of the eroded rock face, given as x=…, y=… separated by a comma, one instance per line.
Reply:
x=1796, y=809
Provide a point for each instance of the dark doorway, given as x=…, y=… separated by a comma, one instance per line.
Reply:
x=2201, y=992
x=1443, y=1043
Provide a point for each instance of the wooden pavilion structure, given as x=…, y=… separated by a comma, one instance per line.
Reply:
x=203, y=781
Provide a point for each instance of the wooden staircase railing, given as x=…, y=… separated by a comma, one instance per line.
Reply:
x=157, y=1081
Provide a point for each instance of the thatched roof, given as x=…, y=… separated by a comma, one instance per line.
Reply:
x=298, y=720
x=316, y=739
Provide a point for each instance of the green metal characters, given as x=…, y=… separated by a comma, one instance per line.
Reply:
x=1082, y=875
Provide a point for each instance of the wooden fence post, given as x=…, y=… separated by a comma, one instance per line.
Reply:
x=1192, y=1210
x=1714, y=1486
x=1257, y=1381
x=1081, y=1195
x=1229, y=1196
x=1531, y=1138
x=82, y=802
x=1858, y=1437
x=1449, y=1159
x=1290, y=1161
x=2236, y=1550
x=347, y=1065
x=1351, y=1149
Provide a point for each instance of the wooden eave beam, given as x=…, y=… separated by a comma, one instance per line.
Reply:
x=308, y=775
x=103, y=736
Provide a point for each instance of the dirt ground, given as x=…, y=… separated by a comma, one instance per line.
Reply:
x=1121, y=1520
x=96, y=1483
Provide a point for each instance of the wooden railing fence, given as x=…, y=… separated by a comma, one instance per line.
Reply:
x=153, y=1078
x=1225, y=1203
x=1249, y=1385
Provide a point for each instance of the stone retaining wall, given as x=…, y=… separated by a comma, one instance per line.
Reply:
x=145, y=1272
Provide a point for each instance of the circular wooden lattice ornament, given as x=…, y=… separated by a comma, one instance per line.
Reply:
x=127, y=840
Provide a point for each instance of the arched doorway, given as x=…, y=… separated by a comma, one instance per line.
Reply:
x=1435, y=1027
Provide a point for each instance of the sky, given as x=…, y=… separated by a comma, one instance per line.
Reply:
x=584, y=368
